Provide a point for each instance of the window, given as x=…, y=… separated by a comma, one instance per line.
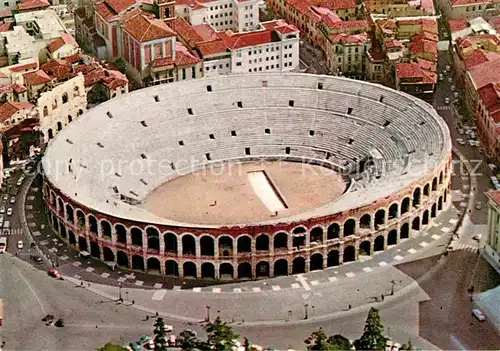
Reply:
x=181, y=143
x=287, y=150
x=190, y=111
x=291, y=103
x=238, y=64
x=212, y=136
x=267, y=131
x=157, y=98
x=320, y=86
x=247, y=151
x=240, y=104
x=209, y=88
x=311, y=133
x=349, y=110
x=208, y=156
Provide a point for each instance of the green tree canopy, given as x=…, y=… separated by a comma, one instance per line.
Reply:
x=159, y=332
x=187, y=341
x=373, y=337
x=320, y=341
x=112, y=347
x=220, y=336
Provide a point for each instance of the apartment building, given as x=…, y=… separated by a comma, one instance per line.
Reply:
x=468, y=9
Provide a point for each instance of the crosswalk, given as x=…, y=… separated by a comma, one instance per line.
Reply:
x=444, y=108
x=465, y=247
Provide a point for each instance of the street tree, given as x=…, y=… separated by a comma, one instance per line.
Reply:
x=159, y=332
x=340, y=342
x=246, y=344
x=111, y=347
x=373, y=336
x=187, y=341
x=320, y=341
x=220, y=336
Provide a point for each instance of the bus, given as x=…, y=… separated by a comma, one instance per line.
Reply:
x=3, y=244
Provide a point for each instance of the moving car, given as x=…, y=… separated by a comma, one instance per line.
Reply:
x=478, y=314
x=54, y=273
x=476, y=237
x=9, y=211
x=447, y=101
x=460, y=141
x=36, y=258
x=20, y=245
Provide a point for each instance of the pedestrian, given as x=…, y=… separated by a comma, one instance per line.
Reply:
x=383, y=297
x=350, y=306
x=147, y=318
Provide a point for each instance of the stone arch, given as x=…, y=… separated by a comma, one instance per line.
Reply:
x=333, y=231
x=244, y=270
x=153, y=236
x=379, y=218
x=136, y=236
x=154, y=265
x=95, y=251
x=80, y=112
x=333, y=258
x=189, y=269
x=299, y=230
x=64, y=98
x=80, y=218
x=122, y=259
x=349, y=254
x=106, y=229
x=63, y=230
x=441, y=177
x=405, y=205
x=262, y=269
x=392, y=237
x=365, y=248
x=365, y=221
x=316, y=262
x=416, y=197
x=225, y=246
x=55, y=223
x=244, y=244
x=171, y=268
x=433, y=210
x=415, y=224
x=138, y=262
x=440, y=203
x=82, y=244
x=108, y=254
x=425, y=217
x=53, y=199
x=434, y=184
x=280, y=240
x=121, y=233
x=71, y=238
x=93, y=224
x=298, y=265
x=378, y=243
x=188, y=245
x=70, y=119
x=226, y=271
x=426, y=189
x=207, y=270
x=445, y=196
x=280, y=267
x=316, y=235
x=404, y=232
x=59, y=126
x=349, y=227
x=298, y=241
x=60, y=204
x=393, y=211
x=262, y=242
x=170, y=242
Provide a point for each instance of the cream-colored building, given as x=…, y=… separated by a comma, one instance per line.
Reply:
x=61, y=105
x=468, y=9
x=492, y=247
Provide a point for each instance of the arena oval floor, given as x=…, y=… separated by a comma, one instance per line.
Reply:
x=247, y=176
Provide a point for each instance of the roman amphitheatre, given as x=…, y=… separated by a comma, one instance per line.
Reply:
x=248, y=176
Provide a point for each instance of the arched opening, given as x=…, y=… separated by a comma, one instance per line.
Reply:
x=393, y=211
x=122, y=259
x=244, y=244
x=154, y=265
x=440, y=203
x=188, y=246
x=426, y=190
x=59, y=126
x=280, y=241
x=138, y=262
x=63, y=230
x=405, y=231
x=94, y=250
x=299, y=241
x=262, y=243
x=333, y=258
x=316, y=235
x=108, y=254
x=378, y=244
x=445, y=198
x=299, y=231
x=153, y=239
x=80, y=218
x=106, y=229
x=121, y=234
x=415, y=224
x=72, y=238
x=299, y=265
x=333, y=231
x=441, y=177
x=425, y=218
x=262, y=269
x=55, y=223
x=80, y=112
x=392, y=238
x=280, y=267
x=136, y=235
x=316, y=262
x=416, y=197
x=207, y=271
x=82, y=243
x=433, y=211
x=61, y=207
x=349, y=254
x=69, y=214
x=207, y=246
x=50, y=133
x=349, y=227
x=245, y=271
x=93, y=224
x=226, y=271
x=365, y=248
x=171, y=268
x=225, y=246
x=70, y=119
x=434, y=184
x=405, y=205
x=65, y=98
x=170, y=241
x=365, y=221
x=379, y=218
x=189, y=269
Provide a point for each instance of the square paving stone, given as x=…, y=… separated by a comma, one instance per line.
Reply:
x=158, y=285
x=121, y=279
x=139, y=282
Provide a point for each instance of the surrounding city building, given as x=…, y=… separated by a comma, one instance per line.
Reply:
x=468, y=9
x=400, y=8
x=460, y=28
x=492, y=247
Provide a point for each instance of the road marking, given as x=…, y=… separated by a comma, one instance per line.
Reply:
x=332, y=279
x=423, y=244
x=382, y=263
x=177, y=288
x=463, y=204
x=196, y=289
x=76, y=276
x=237, y=290
x=276, y=288
x=314, y=283
x=159, y=295
x=121, y=279
x=33, y=291
x=216, y=290
x=105, y=275
x=76, y=264
x=398, y=258
x=32, y=224
x=367, y=269
x=303, y=282
x=64, y=258
x=412, y=251
x=130, y=276
x=89, y=269
x=139, y=282
x=256, y=289
x=350, y=274
x=445, y=229
x=435, y=237
x=158, y=286
x=295, y=285
x=31, y=198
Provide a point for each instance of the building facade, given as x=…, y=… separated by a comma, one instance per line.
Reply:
x=492, y=247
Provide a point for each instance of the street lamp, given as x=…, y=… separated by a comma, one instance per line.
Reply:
x=393, y=282
x=207, y=319
x=306, y=315
x=120, y=292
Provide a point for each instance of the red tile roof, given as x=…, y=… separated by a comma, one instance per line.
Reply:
x=110, y=9
x=37, y=77
x=485, y=73
x=422, y=72
x=6, y=26
x=468, y=2
x=348, y=39
x=33, y=4
x=409, y=70
x=334, y=4
x=458, y=24
x=61, y=41
x=490, y=95
x=478, y=56
x=5, y=13
x=423, y=47
x=495, y=22
x=11, y=107
x=20, y=68
x=144, y=29
x=494, y=195
x=183, y=57
x=361, y=24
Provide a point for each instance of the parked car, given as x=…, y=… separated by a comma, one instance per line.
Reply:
x=13, y=200
x=2, y=209
x=447, y=101
x=36, y=258
x=20, y=245
x=460, y=141
x=448, y=68
x=9, y=211
x=474, y=143
x=455, y=94
x=54, y=273
x=5, y=197
x=478, y=314
x=450, y=79
x=440, y=76
x=478, y=205
x=452, y=88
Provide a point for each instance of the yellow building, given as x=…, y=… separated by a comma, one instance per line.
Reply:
x=492, y=247
x=468, y=9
